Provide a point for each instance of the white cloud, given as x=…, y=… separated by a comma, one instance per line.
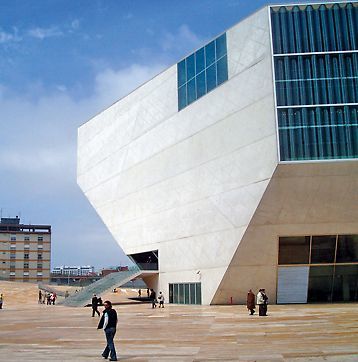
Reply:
x=184, y=38
x=75, y=24
x=43, y=33
x=38, y=149
x=6, y=37
x=112, y=85
x=41, y=132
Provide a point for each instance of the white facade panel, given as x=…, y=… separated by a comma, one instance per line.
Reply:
x=187, y=183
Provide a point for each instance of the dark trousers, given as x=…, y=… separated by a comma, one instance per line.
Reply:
x=262, y=309
x=110, y=333
x=252, y=311
x=95, y=310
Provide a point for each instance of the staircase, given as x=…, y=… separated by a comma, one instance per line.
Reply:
x=109, y=282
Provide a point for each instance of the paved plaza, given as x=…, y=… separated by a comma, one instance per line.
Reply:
x=35, y=332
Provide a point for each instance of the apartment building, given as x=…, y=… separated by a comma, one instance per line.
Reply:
x=25, y=251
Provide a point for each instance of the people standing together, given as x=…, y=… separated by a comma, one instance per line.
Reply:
x=261, y=300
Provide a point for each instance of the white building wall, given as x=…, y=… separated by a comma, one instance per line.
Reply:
x=186, y=183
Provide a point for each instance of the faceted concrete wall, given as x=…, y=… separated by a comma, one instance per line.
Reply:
x=318, y=198
x=186, y=183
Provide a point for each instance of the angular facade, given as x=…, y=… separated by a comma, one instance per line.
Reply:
x=237, y=167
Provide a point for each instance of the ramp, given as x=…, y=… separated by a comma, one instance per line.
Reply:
x=101, y=286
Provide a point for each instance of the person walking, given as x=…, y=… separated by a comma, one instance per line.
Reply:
x=53, y=298
x=153, y=297
x=1, y=300
x=40, y=297
x=262, y=301
x=161, y=300
x=250, y=302
x=108, y=322
x=94, y=304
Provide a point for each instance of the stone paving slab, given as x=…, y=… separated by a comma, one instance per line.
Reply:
x=291, y=333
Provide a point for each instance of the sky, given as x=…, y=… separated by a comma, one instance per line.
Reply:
x=61, y=63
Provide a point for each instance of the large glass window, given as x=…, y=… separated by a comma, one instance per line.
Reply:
x=202, y=71
x=345, y=283
x=347, y=248
x=332, y=261
x=316, y=76
x=294, y=250
x=300, y=29
x=318, y=132
x=185, y=293
x=323, y=249
x=320, y=284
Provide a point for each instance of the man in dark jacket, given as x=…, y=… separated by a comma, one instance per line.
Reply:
x=95, y=305
x=109, y=323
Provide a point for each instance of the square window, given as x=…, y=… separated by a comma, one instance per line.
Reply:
x=13, y=237
x=27, y=238
x=39, y=256
x=294, y=250
x=323, y=249
x=26, y=256
x=40, y=238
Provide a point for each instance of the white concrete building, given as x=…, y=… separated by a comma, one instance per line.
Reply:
x=237, y=167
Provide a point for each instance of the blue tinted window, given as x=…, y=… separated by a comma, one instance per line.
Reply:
x=210, y=53
x=220, y=46
x=182, y=102
x=181, y=73
x=200, y=84
x=200, y=60
x=191, y=91
x=190, y=67
x=222, y=70
x=211, y=77
x=316, y=93
x=202, y=71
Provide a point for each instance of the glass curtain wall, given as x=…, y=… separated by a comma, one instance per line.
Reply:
x=332, y=262
x=316, y=75
x=185, y=293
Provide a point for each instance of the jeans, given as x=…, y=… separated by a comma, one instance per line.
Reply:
x=110, y=333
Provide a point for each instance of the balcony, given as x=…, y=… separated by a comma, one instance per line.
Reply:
x=147, y=260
